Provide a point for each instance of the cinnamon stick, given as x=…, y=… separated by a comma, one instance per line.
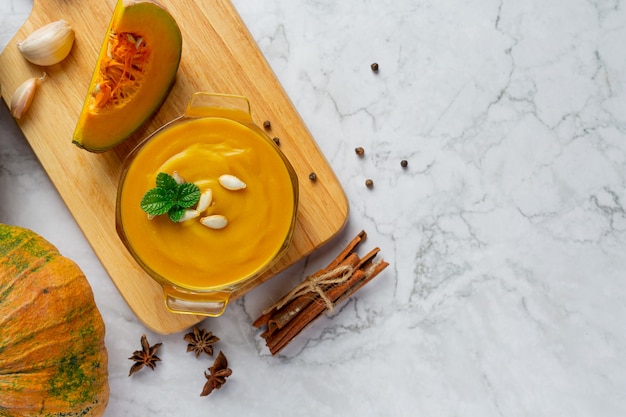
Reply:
x=306, y=317
x=346, y=258
x=281, y=338
x=350, y=248
x=317, y=294
x=337, y=261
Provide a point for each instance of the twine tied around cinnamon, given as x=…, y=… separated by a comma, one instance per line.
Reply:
x=317, y=283
x=344, y=276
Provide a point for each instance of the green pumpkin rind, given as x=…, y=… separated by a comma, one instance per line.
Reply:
x=53, y=361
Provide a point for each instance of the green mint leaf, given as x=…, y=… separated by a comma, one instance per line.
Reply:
x=157, y=201
x=188, y=194
x=176, y=213
x=170, y=197
x=166, y=181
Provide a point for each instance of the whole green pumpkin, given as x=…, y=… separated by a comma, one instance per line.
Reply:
x=53, y=361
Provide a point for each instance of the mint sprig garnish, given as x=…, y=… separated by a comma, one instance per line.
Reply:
x=169, y=197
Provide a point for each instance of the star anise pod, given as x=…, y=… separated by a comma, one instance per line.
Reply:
x=146, y=356
x=217, y=376
x=200, y=341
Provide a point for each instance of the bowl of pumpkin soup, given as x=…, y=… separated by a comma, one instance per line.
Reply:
x=206, y=204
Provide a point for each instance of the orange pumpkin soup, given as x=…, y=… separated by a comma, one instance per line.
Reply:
x=260, y=216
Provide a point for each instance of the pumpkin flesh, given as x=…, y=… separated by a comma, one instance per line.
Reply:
x=52, y=355
x=135, y=70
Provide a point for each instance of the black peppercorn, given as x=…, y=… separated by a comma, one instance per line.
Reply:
x=267, y=125
x=374, y=67
x=404, y=163
x=359, y=151
x=313, y=176
x=276, y=141
x=369, y=183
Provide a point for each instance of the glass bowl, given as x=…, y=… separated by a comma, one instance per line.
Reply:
x=199, y=262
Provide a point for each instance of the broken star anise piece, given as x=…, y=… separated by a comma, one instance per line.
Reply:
x=217, y=376
x=146, y=356
x=200, y=341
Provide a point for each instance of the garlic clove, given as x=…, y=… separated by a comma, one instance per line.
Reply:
x=23, y=96
x=48, y=45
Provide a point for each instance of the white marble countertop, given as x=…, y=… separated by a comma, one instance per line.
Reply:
x=506, y=233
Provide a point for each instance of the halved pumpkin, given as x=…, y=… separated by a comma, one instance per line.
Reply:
x=135, y=70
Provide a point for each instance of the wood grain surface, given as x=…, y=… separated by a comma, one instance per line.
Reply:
x=220, y=56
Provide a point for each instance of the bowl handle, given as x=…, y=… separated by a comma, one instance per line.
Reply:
x=221, y=105
x=210, y=304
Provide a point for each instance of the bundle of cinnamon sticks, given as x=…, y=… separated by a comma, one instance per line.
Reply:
x=318, y=294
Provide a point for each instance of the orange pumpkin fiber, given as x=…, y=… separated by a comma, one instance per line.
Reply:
x=53, y=361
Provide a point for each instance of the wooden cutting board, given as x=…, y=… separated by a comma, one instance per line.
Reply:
x=220, y=56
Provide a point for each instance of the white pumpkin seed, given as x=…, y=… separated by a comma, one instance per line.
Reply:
x=205, y=200
x=178, y=178
x=230, y=182
x=188, y=215
x=215, y=221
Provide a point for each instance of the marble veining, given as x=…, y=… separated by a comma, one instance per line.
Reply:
x=506, y=232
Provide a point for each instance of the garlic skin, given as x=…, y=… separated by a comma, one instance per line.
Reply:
x=48, y=45
x=23, y=96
